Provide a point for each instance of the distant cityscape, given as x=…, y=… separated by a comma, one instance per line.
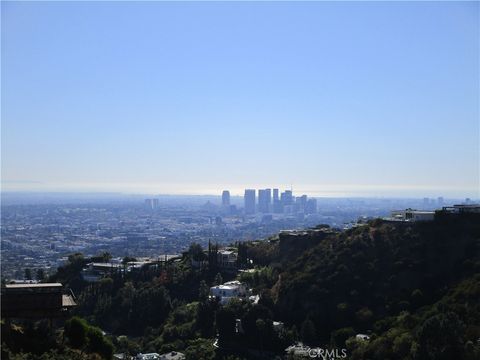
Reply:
x=40, y=232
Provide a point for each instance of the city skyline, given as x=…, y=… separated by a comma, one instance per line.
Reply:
x=193, y=98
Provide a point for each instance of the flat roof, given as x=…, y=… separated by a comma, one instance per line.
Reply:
x=26, y=286
x=105, y=265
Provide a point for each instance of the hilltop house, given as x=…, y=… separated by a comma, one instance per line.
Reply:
x=96, y=271
x=229, y=290
x=227, y=259
x=36, y=301
x=411, y=215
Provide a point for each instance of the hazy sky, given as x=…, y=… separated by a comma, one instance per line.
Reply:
x=373, y=98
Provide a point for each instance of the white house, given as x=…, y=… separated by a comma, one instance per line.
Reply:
x=278, y=326
x=229, y=290
x=173, y=355
x=149, y=356
x=412, y=215
x=363, y=337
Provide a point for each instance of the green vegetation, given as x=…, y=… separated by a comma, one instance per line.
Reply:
x=413, y=288
x=87, y=338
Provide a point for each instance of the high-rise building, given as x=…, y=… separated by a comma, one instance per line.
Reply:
x=300, y=203
x=277, y=204
x=275, y=195
x=287, y=198
x=311, y=207
x=264, y=200
x=225, y=198
x=149, y=203
x=249, y=201
x=440, y=201
x=155, y=203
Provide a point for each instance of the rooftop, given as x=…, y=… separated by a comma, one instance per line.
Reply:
x=68, y=301
x=27, y=286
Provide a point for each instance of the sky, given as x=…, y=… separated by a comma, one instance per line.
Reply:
x=345, y=98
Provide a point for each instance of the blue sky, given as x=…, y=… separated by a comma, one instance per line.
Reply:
x=363, y=98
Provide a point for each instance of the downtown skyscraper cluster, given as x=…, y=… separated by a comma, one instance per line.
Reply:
x=275, y=202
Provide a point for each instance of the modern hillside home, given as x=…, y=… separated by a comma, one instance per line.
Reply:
x=229, y=290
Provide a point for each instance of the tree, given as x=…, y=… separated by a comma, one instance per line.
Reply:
x=203, y=291
x=417, y=297
x=339, y=336
x=364, y=315
x=261, y=329
x=97, y=343
x=308, y=333
x=28, y=274
x=440, y=337
x=205, y=317
x=242, y=254
x=200, y=349
x=196, y=253
x=212, y=257
x=218, y=279
x=83, y=336
x=106, y=256
x=127, y=259
x=40, y=274
x=225, y=323
x=76, y=332
x=250, y=317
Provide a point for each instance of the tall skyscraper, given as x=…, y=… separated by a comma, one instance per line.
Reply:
x=311, y=207
x=287, y=198
x=264, y=200
x=149, y=203
x=300, y=203
x=225, y=198
x=275, y=195
x=277, y=204
x=250, y=200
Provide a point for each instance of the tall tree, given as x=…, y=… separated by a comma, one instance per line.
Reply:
x=203, y=291
x=40, y=275
x=308, y=332
x=28, y=274
x=76, y=332
x=218, y=279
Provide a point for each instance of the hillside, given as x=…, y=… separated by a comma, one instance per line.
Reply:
x=412, y=288
x=360, y=280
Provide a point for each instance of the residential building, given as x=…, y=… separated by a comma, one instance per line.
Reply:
x=172, y=355
x=412, y=215
x=229, y=290
x=36, y=301
x=462, y=208
x=96, y=271
x=227, y=259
